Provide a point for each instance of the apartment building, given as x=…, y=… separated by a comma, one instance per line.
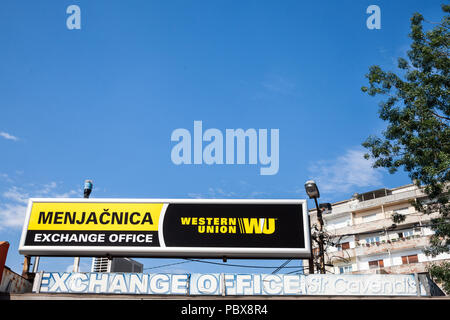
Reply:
x=364, y=239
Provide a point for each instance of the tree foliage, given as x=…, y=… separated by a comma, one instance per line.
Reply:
x=417, y=111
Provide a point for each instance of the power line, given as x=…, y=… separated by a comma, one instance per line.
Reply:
x=166, y=265
x=187, y=260
x=301, y=270
x=238, y=265
x=283, y=265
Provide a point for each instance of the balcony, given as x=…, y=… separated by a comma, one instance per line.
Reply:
x=381, y=224
x=379, y=248
x=392, y=245
x=418, y=267
x=355, y=205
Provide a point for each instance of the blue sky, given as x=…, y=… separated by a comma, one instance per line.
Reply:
x=101, y=102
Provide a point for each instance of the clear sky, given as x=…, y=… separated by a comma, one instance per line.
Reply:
x=101, y=102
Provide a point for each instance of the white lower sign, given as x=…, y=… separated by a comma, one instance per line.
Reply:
x=226, y=284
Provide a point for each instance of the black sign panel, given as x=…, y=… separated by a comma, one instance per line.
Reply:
x=233, y=225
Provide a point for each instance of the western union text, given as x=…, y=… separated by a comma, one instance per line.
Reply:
x=231, y=225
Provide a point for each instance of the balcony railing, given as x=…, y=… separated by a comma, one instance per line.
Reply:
x=418, y=267
x=364, y=249
x=380, y=224
x=355, y=205
x=392, y=245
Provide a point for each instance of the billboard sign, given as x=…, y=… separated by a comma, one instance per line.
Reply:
x=166, y=228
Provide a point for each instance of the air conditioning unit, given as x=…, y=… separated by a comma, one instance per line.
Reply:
x=116, y=265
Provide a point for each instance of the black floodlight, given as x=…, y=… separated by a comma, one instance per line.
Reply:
x=87, y=188
x=325, y=207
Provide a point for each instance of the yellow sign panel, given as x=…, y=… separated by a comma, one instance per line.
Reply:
x=95, y=216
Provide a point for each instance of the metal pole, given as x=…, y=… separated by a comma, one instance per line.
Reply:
x=311, y=259
x=76, y=264
x=26, y=267
x=320, y=242
x=416, y=278
x=87, y=192
x=36, y=264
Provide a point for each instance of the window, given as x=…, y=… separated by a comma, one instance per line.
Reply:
x=405, y=234
x=373, y=194
x=338, y=223
x=343, y=246
x=372, y=239
x=410, y=259
x=376, y=264
x=345, y=269
x=369, y=217
x=404, y=210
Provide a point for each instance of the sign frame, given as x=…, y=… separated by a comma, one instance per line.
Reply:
x=170, y=252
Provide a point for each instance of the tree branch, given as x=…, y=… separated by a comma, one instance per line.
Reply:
x=439, y=116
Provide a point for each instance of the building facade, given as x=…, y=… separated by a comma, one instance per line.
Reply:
x=362, y=238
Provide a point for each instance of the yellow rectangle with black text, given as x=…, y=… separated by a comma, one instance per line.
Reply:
x=95, y=216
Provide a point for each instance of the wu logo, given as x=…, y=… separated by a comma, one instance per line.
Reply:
x=257, y=225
